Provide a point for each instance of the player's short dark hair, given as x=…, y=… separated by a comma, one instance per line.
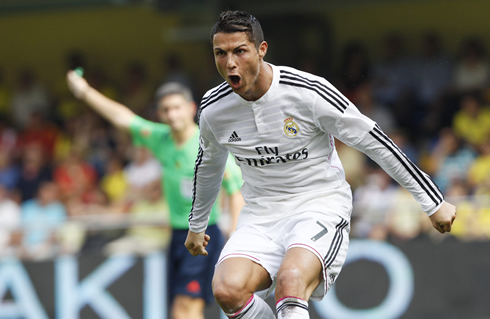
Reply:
x=239, y=21
x=173, y=88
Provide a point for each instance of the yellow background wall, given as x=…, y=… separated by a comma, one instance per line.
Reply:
x=452, y=19
x=113, y=36
x=110, y=37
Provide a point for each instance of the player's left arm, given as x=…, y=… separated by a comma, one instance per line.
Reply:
x=341, y=118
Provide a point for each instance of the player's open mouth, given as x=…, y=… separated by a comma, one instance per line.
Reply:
x=235, y=80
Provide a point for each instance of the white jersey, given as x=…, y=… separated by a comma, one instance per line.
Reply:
x=284, y=145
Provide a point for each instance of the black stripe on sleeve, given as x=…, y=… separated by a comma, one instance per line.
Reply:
x=327, y=90
x=433, y=187
x=312, y=89
x=194, y=182
x=388, y=144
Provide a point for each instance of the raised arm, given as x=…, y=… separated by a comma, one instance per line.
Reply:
x=114, y=112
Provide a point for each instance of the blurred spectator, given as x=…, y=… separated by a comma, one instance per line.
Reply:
x=103, y=221
x=472, y=122
x=114, y=183
x=9, y=221
x=480, y=168
x=28, y=96
x=136, y=91
x=143, y=238
x=4, y=96
x=141, y=171
x=354, y=70
x=9, y=172
x=433, y=70
x=65, y=139
x=41, y=217
x=74, y=176
x=393, y=74
x=34, y=170
x=375, y=111
x=450, y=160
x=472, y=70
x=91, y=225
x=373, y=203
x=354, y=163
x=39, y=131
x=465, y=227
x=405, y=218
x=400, y=138
x=8, y=136
x=101, y=142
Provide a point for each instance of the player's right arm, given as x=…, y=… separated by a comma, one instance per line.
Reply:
x=114, y=112
x=208, y=175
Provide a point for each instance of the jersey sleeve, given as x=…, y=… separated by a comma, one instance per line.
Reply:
x=232, y=179
x=148, y=134
x=335, y=114
x=208, y=175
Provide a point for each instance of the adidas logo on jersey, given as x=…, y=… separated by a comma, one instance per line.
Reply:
x=234, y=138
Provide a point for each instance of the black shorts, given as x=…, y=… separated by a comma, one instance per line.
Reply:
x=189, y=275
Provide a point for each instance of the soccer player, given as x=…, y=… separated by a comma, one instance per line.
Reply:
x=279, y=124
x=175, y=144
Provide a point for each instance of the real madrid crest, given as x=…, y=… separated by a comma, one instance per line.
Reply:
x=291, y=129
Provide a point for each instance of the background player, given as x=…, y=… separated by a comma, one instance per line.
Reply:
x=175, y=145
x=294, y=229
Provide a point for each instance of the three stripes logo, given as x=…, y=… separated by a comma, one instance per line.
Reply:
x=234, y=138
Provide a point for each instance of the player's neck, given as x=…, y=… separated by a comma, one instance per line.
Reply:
x=261, y=84
x=180, y=137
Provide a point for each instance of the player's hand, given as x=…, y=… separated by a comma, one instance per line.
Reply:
x=78, y=86
x=196, y=243
x=443, y=218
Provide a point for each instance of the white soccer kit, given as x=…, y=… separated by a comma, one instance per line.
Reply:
x=284, y=145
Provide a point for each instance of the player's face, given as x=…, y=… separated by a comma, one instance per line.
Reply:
x=238, y=60
x=176, y=111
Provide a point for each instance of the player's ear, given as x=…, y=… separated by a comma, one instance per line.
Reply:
x=263, y=49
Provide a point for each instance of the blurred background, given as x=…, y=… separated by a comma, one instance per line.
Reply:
x=420, y=69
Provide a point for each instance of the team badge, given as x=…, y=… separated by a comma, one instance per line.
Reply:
x=291, y=129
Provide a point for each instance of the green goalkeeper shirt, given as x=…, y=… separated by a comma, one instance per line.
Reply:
x=178, y=169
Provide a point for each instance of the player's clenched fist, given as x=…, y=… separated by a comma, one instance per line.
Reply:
x=196, y=243
x=443, y=218
x=77, y=84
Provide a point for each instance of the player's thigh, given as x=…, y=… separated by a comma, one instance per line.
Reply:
x=240, y=274
x=300, y=273
x=325, y=236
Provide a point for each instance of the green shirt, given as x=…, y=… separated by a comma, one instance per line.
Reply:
x=178, y=169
